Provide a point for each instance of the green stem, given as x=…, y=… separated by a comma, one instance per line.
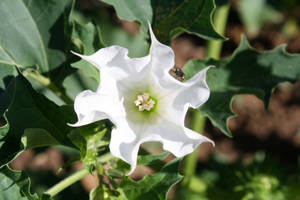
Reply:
x=198, y=121
x=67, y=182
x=214, y=47
x=47, y=83
x=105, y=157
x=190, y=162
x=74, y=177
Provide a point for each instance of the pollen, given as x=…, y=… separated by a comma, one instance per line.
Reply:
x=144, y=102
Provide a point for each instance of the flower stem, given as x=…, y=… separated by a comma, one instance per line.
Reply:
x=214, y=47
x=198, y=121
x=74, y=177
x=190, y=162
x=47, y=83
x=67, y=182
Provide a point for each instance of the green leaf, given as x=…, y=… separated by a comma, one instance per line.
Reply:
x=37, y=137
x=97, y=193
x=42, y=121
x=255, y=13
x=120, y=168
x=113, y=34
x=102, y=192
x=32, y=36
x=154, y=186
x=151, y=159
x=87, y=40
x=247, y=71
x=15, y=185
x=91, y=141
x=79, y=81
x=32, y=33
x=134, y=10
x=5, y=98
x=6, y=72
x=169, y=18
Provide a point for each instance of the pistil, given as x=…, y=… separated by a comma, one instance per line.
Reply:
x=144, y=102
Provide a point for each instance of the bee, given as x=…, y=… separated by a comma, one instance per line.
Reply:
x=177, y=73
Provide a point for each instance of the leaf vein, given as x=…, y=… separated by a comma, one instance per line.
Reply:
x=6, y=62
x=8, y=56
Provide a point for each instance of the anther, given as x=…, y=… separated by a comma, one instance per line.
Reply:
x=144, y=102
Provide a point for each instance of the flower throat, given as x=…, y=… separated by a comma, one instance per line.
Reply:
x=144, y=102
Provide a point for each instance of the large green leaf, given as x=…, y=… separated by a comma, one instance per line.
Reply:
x=31, y=33
x=32, y=114
x=154, y=186
x=15, y=185
x=246, y=71
x=169, y=18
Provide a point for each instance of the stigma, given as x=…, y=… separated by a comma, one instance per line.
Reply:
x=144, y=102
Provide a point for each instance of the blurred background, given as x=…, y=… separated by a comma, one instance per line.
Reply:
x=262, y=159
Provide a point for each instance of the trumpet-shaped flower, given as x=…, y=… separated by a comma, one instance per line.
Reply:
x=143, y=101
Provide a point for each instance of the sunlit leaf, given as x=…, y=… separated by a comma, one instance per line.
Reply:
x=32, y=33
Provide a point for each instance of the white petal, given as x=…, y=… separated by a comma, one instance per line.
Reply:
x=108, y=85
x=195, y=91
x=178, y=140
x=124, y=144
x=91, y=107
x=162, y=60
x=119, y=75
x=126, y=140
x=192, y=93
x=115, y=61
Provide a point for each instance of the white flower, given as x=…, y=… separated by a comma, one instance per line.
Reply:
x=143, y=101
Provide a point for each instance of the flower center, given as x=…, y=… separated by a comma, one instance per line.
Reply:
x=144, y=102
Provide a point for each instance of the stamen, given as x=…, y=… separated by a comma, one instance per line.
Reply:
x=144, y=102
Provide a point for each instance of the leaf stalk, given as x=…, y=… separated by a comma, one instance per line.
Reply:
x=47, y=83
x=67, y=182
x=214, y=47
